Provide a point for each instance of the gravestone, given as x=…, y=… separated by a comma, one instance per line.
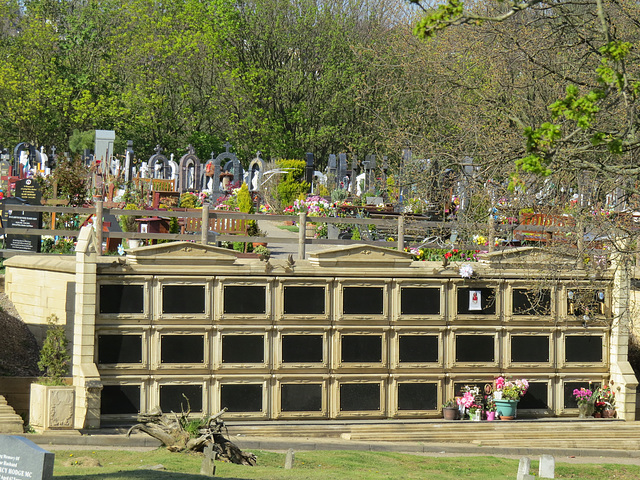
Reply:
x=29, y=190
x=290, y=458
x=523, y=469
x=22, y=459
x=13, y=217
x=547, y=466
x=208, y=467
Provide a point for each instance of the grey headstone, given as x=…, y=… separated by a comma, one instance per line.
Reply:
x=523, y=468
x=547, y=466
x=21, y=458
x=208, y=467
x=332, y=232
x=374, y=200
x=288, y=461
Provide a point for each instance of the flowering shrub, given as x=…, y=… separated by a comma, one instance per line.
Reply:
x=512, y=389
x=582, y=395
x=439, y=254
x=313, y=206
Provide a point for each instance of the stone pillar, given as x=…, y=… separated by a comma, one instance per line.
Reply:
x=86, y=378
x=623, y=380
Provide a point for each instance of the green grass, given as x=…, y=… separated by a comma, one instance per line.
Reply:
x=316, y=465
x=291, y=228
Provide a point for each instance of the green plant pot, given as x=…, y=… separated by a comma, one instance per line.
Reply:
x=506, y=409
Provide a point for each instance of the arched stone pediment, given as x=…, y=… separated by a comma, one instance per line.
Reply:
x=360, y=256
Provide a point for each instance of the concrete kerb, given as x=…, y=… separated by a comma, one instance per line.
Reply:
x=99, y=439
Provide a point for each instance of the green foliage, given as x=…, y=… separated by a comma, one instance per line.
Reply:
x=245, y=204
x=79, y=141
x=581, y=109
x=263, y=251
x=128, y=222
x=189, y=200
x=54, y=357
x=339, y=195
x=292, y=185
x=355, y=233
x=63, y=246
x=430, y=24
x=72, y=178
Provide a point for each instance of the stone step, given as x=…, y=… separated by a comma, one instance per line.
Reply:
x=10, y=421
x=590, y=433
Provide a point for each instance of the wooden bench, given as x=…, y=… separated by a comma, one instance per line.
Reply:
x=222, y=226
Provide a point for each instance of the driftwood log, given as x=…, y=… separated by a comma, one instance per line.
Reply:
x=179, y=433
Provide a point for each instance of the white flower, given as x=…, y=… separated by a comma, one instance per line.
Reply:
x=466, y=271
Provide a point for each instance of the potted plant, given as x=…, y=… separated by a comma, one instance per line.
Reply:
x=507, y=394
x=262, y=251
x=584, y=399
x=475, y=412
x=450, y=410
x=490, y=410
x=52, y=400
x=604, y=402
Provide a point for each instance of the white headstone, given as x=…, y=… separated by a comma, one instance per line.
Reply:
x=523, y=468
x=547, y=466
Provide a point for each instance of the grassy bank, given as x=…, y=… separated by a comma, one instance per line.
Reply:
x=312, y=465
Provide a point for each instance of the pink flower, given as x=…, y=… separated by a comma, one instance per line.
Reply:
x=499, y=383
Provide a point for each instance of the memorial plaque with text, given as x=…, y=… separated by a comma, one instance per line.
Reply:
x=29, y=190
x=22, y=459
x=16, y=218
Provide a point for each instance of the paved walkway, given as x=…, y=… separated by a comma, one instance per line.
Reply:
x=272, y=230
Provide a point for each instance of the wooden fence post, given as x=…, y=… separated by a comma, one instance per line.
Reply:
x=98, y=223
x=204, y=234
x=302, y=234
x=400, y=233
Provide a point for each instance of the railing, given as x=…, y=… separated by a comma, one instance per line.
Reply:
x=206, y=216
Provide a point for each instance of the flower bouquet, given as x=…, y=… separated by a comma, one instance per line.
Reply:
x=585, y=400
x=604, y=402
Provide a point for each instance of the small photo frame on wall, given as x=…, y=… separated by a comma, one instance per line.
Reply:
x=475, y=300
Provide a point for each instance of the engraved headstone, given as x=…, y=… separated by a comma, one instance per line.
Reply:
x=13, y=217
x=29, y=190
x=22, y=459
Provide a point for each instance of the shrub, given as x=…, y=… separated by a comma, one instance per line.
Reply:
x=54, y=357
x=292, y=185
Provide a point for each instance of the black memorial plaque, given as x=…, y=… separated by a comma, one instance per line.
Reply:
x=118, y=298
x=418, y=348
x=241, y=397
x=183, y=299
x=172, y=398
x=475, y=348
x=362, y=300
x=242, y=348
x=302, y=348
x=362, y=348
x=304, y=300
x=244, y=299
x=301, y=397
x=530, y=348
x=583, y=348
x=29, y=190
x=420, y=301
x=359, y=396
x=120, y=400
x=417, y=396
x=182, y=349
x=119, y=349
x=14, y=217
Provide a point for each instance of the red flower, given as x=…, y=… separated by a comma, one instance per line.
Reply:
x=447, y=255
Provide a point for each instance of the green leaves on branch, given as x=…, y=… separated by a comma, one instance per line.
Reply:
x=581, y=109
x=444, y=16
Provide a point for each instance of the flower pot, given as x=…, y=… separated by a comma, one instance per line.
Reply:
x=506, y=408
x=259, y=244
x=476, y=416
x=597, y=415
x=450, y=413
x=491, y=416
x=608, y=413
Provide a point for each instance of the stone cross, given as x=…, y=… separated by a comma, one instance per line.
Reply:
x=208, y=467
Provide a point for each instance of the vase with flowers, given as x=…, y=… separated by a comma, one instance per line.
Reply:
x=585, y=400
x=466, y=400
x=507, y=394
